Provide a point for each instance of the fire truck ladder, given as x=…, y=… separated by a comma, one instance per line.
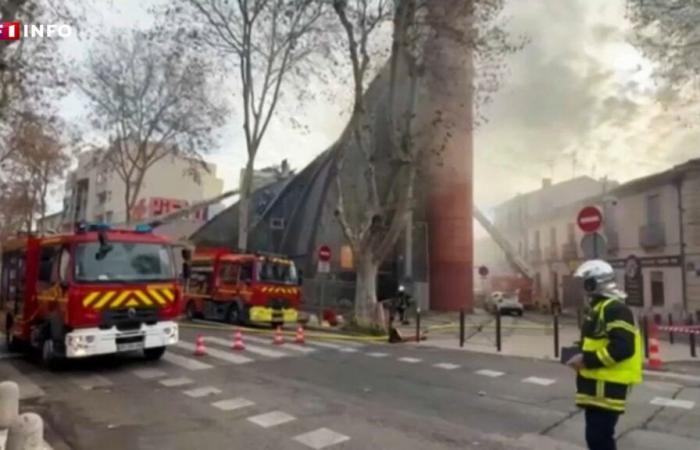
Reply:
x=512, y=256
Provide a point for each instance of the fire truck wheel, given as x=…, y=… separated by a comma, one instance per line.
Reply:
x=233, y=315
x=153, y=354
x=190, y=311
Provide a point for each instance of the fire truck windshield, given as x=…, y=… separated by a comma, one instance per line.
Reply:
x=126, y=261
x=277, y=271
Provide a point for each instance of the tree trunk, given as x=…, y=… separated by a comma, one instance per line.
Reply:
x=244, y=207
x=366, y=288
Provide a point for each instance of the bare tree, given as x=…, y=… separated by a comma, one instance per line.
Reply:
x=155, y=99
x=395, y=140
x=266, y=41
x=25, y=81
x=667, y=32
x=38, y=160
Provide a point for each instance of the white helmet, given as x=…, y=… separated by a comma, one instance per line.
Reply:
x=598, y=278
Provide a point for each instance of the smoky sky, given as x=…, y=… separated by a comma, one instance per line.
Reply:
x=577, y=100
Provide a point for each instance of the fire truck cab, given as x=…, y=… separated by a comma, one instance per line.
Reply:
x=242, y=288
x=92, y=292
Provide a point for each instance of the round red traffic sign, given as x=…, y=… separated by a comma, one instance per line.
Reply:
x=324, y=253
x=590, y=219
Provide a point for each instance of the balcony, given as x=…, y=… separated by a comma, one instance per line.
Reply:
x=569, y=251
x=652, y=235
x=535, y=255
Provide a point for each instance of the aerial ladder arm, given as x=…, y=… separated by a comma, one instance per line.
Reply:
x=511, y=254
x=155, y=222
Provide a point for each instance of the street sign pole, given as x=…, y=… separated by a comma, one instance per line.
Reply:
x=323, y=295
x=323, y=270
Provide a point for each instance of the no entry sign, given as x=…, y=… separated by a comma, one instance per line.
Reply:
x=324, y=253
x=590, y=219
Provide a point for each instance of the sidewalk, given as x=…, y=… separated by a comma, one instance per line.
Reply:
x=530, y=337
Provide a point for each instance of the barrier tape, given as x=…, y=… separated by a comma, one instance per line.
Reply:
x=680, y=329
x=307, y=333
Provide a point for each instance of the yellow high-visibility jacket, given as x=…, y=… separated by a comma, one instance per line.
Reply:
x=612, y=356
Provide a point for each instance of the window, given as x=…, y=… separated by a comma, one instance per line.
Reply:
x=103, y=197
x=277, y=223
x=653, y=208
x=125, y=261
x=553, y=237
x=64, y=265
x=277, y=271
x=109, y=216
x=571, y=233
x=537, y=240
x=229, y=273
x=47, y=263
x=657, y=288
x=247, y=272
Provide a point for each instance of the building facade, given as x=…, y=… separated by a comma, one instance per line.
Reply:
x=650, y=234
x=95, y=193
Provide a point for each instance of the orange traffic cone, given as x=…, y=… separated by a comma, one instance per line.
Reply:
x=238, y=341
x=300, y=335
x=654, y=362
x=279, y=339
x=200, y=349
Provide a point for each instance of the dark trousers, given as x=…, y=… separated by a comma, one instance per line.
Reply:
x=600, y=429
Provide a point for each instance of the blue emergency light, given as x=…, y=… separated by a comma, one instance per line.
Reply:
x=83, y=227
x=143, y=228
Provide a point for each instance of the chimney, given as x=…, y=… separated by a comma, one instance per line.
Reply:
x=546, y=182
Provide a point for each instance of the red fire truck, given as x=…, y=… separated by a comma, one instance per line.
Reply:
x=242, y=288
x=91, y=292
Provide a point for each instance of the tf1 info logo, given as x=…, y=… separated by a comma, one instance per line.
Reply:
x=13, y=31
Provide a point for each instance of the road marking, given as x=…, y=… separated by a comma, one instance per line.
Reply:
x=251, y=348
x=218, y=354
x=489, y=373
x=321, y=438
x=175, y=382
x=335, y=346
x=539, y=381
x=90, y=382
x=232, y=404
x=673, y=375
x=377, y=354
x=186, y=363
x=271, y=419
x=447, y=366
x=410, y=360
x=673, y=403
x=348, y=350
x=286, y=346
x=202, y=392
x=663, y=386
x=149, y=374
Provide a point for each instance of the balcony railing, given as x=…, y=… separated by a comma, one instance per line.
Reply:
x=569, y=251
x=652, y=235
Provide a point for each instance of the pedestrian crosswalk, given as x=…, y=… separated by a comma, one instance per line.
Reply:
x=256, y=349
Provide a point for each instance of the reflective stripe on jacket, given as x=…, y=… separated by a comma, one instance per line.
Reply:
x=612, y=349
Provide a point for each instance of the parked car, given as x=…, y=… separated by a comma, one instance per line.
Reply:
x=506, y=303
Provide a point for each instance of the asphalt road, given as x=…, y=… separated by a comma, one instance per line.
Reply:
x=336, y=395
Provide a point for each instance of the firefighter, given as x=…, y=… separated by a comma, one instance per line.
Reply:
x=610, y=358
x=403, y=302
